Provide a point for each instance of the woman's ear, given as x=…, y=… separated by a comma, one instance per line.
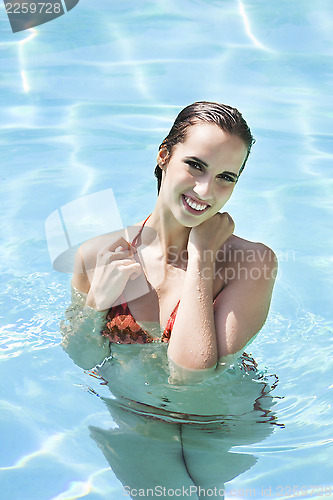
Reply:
x=162, y=157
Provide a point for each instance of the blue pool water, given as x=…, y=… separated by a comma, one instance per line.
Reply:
x=85, y=101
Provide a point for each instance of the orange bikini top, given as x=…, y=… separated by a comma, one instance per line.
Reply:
x=121, y=327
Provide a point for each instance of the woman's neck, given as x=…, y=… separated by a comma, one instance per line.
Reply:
x=172, y=236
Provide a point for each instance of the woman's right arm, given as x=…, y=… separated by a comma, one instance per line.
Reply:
x=81, y=330
x=99, y=278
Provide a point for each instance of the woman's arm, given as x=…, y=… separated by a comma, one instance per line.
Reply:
x=241, y=308
x=100, y=275
x=81, y=331
x=204, y=332
x=193, y=343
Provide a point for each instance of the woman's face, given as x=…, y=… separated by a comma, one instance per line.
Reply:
x=200, y=175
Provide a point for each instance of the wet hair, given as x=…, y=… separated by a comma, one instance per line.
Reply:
x=227, y=118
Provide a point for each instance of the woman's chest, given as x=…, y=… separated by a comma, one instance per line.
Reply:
x=154, y=295
x=152, y=298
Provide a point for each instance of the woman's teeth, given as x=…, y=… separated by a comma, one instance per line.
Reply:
x=194, y=205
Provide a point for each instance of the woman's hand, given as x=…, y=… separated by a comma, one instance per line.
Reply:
x=115, y=265
x=210, y=235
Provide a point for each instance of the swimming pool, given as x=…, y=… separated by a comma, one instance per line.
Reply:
x=86, y=100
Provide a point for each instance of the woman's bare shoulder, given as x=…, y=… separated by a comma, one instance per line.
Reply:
x=89, y=249
x=86, y=258
x=87, y=254
x=93, y=245
x=249, y=252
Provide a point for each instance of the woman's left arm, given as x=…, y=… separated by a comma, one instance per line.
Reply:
x=241, y=308
x=193, y=343
x=204, y=332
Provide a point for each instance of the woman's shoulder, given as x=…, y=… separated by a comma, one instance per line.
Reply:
x=87, y=254
x=249, y=253
x=90, y=248
x=85, y=261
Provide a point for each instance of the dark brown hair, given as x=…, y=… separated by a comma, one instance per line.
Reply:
x=227, y=118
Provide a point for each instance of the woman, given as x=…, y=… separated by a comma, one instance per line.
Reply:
x=209, y=291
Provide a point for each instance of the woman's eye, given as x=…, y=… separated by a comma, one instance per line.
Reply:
x=226, y=177
x=194, y=164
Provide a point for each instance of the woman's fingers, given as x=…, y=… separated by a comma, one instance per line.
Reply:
x=123, y=254
x=132, y=270
x=228, y=221
x=121, y=260
x=120, y=242
x=109, y=252
x=107, y=257
x=212, y=233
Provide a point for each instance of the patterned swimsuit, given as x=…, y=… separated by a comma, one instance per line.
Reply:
x=121, y=327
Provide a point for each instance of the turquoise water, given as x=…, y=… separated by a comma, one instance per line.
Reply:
x=85, y=101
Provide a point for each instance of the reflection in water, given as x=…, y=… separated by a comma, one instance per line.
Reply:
x=156, y=447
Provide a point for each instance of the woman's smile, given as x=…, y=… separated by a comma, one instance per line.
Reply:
x=194, y=206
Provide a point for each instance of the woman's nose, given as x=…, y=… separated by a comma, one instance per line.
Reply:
x=204, y=190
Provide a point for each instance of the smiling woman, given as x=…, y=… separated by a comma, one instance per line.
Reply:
x=169, y=277
x=204, y=168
